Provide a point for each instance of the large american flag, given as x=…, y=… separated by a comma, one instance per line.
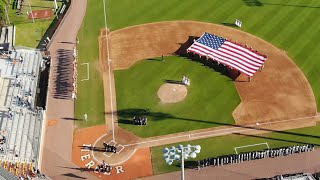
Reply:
x=228, y=53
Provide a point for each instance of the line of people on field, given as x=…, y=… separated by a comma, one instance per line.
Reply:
x=249, y=156
x=75, y=73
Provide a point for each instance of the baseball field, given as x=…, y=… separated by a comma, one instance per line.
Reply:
x=29, y=32
x=290, y=26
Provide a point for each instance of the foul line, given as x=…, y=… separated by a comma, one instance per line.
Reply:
x=94, y=157
x=109, y=70
x=181, y=136
x=217, y=134
x=251, y=145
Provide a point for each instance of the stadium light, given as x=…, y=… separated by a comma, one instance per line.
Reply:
x=180, y=152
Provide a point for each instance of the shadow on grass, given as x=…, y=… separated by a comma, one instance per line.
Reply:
x=126, y=115
x=258, y=3
x=229, y=24
x=253, y=2
x=154, y=59
x=173, y=81
x=125, y=121
x=189, y=164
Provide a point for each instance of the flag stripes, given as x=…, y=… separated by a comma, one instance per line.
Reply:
x=228, y=53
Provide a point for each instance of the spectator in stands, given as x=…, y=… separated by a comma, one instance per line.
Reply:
x=20, y=58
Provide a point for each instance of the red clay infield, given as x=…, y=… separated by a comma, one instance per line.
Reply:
x=139, y=165
x=41, y=14
x=279, y=92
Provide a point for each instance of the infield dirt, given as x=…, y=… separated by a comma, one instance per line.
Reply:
x=279, y=92
x=279, y=97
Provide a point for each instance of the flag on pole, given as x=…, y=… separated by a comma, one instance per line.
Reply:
x=228, y=53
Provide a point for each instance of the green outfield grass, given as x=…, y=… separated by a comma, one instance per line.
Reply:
x=210, y=101
x=90, y=93
x=29, y=33
x=224, y=145
x=290, y=25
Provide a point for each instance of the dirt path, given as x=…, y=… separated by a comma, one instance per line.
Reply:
x=59, y=135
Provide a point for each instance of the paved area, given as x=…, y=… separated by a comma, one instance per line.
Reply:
x=59, y=135
x=306, y=162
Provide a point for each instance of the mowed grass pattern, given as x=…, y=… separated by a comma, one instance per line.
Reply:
x=291, y=25
x=210, y=101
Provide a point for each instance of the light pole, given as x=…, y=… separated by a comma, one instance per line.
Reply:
x=175, y=153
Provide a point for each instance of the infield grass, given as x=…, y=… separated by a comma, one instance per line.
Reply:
x=224, y=145
x=210, y=101
x=290, y=25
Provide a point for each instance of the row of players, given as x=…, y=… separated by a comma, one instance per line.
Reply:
x=102, y=168
x=109, y=148
x=248, y=156
x=140, y=121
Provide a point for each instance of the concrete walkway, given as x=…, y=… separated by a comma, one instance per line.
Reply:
x=59, y=135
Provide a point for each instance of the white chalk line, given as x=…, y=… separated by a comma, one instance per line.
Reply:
x=216, y=134
x=109, y=70
x=88, y=71
x=251, y=145
x=94, y=145
x=181, y=136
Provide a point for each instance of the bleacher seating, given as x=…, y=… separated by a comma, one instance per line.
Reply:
x=7, y=35
x=20, y=120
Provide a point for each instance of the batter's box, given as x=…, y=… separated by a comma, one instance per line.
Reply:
x=119, y=148
x=108, y=154
x=112, y=143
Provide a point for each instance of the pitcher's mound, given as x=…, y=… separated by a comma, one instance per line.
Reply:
x=172, y=93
